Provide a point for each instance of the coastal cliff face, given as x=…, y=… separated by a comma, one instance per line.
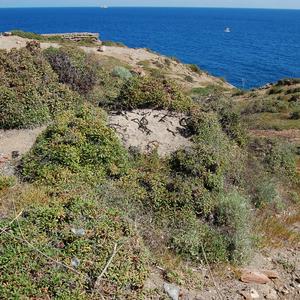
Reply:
x=125, y=174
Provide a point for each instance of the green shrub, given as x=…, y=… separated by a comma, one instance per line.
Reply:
x=288, y=81
x=113, y=44
x=265, y=191
x=74, y=68
x=29, y=90
x=195, y=240
x=266, y=105
x=207, y=91
x=233, y=216
x=27, y=35
x=232, y=124
x=208, y=158
x=79, y=234
x=77, y=145
x=195, y=68
x=277, y=156
x=121, y=72
x=149, y=92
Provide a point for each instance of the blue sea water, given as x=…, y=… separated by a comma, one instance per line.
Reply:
x=263, y=46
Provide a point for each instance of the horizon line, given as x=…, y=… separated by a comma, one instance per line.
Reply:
x=208, y=7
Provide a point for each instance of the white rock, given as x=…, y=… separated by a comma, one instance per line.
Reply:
x=172, y=291
x=254, y=294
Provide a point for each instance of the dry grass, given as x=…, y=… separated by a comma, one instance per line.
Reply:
x=280, y=231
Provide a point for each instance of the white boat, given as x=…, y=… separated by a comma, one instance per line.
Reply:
x=227, y=29
x=103, y=6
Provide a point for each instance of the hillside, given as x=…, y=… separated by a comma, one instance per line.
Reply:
x=125, y=174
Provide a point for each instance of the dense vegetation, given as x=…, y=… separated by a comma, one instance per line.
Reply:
x=96, y=217
x=30, y=91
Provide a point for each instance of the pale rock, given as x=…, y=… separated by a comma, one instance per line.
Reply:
x=254, y=294
x=271, y=274
x=172, y=291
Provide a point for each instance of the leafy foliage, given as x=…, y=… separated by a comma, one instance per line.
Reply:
x=149, y=92
x=80, y=234
x=74, y=68
x=76, y=145
x=278, y=157
x=121, y=72
x=29, y=90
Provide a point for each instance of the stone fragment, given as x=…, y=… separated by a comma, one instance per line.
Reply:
x=271, y=274
x=172, y=291
x=254, y=277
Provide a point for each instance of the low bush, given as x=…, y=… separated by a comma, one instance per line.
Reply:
x=121, y=72
x=189, y=78
x=266, y=105
x=76, y=146
x=194, y=68
x=208, y=159
x=195, y=240
x=30, y=94
x=277, y=156
x=59, y=249
x=233, y=217
x=74, y=68
x=149, y=92
x=113, y=44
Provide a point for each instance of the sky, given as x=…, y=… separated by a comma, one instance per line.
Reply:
x=288, y=4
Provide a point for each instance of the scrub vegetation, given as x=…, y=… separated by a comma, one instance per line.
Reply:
x=87, y=218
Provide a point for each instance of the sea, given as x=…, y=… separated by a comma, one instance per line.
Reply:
x=262, y=46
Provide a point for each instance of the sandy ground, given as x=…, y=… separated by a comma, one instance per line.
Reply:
x=148, y=129
x=20, y=140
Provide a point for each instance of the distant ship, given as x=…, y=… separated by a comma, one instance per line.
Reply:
x=103, y=6
x=227, y=29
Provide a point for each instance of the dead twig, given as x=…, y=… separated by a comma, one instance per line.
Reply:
x=11, y=222
x=220, y=296
x=97, y=283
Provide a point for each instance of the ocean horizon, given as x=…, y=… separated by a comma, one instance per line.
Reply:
x=263, y=45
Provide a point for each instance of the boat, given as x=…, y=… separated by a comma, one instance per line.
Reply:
x=103, y=6
x=227, y=29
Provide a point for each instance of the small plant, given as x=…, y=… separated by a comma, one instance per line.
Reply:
x=232, y=213
x=278, y=157
x=195, y=68
x=113, y=44
x=189, y=78
x=121, y=72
